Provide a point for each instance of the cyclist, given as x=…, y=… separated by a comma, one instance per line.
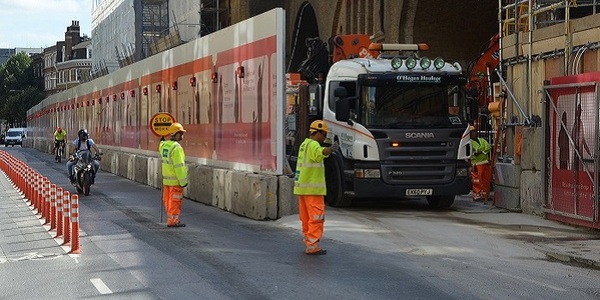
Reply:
x=60, y=136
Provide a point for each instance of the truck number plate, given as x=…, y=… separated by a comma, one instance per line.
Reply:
x=419, y=192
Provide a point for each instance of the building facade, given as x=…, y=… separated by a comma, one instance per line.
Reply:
x=68, y=63
x=550, y=61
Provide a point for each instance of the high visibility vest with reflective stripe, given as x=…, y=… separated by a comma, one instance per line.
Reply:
x=174, y=171
x=481, y=148
x=310, y=171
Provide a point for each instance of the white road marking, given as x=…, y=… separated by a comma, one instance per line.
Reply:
x=100, y=286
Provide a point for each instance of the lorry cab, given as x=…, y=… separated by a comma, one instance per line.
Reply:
x=402, y=128
x=15, y=136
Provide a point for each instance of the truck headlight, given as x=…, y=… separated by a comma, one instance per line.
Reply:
x=367, y=173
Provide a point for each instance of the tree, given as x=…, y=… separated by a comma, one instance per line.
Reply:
x=18, y=91
x=15, y=109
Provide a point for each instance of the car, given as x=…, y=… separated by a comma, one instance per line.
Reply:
x=15, y=136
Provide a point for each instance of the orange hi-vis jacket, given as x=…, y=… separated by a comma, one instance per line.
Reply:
x=174, y=171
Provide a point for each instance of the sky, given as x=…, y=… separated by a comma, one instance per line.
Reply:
x=41, y=23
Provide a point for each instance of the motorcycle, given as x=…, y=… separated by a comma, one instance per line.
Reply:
x=84, y=171
x=60, y=149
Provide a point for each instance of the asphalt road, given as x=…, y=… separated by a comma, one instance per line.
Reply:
x=391, y=250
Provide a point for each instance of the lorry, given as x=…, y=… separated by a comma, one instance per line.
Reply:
x=15, y=136
x=401, y=121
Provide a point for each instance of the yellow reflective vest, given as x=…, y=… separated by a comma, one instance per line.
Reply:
x=310, y=171
x=481, y=148
x=174, y=171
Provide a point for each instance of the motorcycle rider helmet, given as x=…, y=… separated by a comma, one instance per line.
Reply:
x=82, y=134
x=175, y=128
x=318, y=125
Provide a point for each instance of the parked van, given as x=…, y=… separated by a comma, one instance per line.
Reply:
x=15, y=136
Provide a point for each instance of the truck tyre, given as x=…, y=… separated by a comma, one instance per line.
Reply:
x=335, y=182
x=440, y=201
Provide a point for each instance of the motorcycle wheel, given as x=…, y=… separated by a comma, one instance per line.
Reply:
x=87, y=182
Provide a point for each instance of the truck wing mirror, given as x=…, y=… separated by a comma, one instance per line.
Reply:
x=340, y=92
x=342, y=110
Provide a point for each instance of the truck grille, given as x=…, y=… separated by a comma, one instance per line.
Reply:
x=419, y=160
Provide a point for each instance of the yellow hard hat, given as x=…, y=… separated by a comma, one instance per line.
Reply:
x=472, y=128
x=318, y=125
x=175, y=128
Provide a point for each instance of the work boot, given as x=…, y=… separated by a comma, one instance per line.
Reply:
x=177, y=225
x=318, y=252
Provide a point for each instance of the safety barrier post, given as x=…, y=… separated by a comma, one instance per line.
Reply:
x=29, y=183
x=36, y=197
x=52, y=206
x=75, y=225
x=66, y=217
x=46, y=200
x=59, y=211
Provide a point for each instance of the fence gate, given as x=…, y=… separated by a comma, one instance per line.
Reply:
x=572, y=153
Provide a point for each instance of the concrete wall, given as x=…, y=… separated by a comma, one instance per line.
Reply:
x=255, y=196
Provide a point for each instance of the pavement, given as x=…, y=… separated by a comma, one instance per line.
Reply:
x=23, y=235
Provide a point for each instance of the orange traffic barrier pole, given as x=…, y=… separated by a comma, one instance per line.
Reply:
x=75, y=225
x=52, y=206
x=66, y=216
x=59, y=211
x=46, y=200
x=29, y=184
x=36, y=199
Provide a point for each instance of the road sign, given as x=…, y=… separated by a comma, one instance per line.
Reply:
x=160, y=122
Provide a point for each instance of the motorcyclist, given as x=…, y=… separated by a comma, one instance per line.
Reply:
x=82, y=143
x=59, y=136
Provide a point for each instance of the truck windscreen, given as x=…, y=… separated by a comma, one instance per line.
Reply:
x=413, y=104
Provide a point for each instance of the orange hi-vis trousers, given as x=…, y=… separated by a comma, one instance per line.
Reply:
x=481, y=179
x=172, y=196
x=311, y=209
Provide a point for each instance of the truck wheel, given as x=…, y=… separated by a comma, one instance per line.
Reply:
x=440, y=201
x=335, y=183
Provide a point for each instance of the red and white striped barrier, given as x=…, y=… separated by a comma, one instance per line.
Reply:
x=56, y=206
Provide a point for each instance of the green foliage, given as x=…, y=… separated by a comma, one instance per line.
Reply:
x=15, y=109
x=18, y=91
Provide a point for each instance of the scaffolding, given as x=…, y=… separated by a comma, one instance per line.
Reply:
x=211, y=16
x=155, y=24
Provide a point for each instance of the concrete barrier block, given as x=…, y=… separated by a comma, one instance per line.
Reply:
x=532, y=200
x=141, y=169
x=253, y=195
x=200, y=186
x=288, y=202
x=219, y=192
x=122, y=168
x=154, y=172
x=507, y=174
x=507, y=197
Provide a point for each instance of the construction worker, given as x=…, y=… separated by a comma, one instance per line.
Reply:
x=310, y=186
x=481, y=170
x=174, y=174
